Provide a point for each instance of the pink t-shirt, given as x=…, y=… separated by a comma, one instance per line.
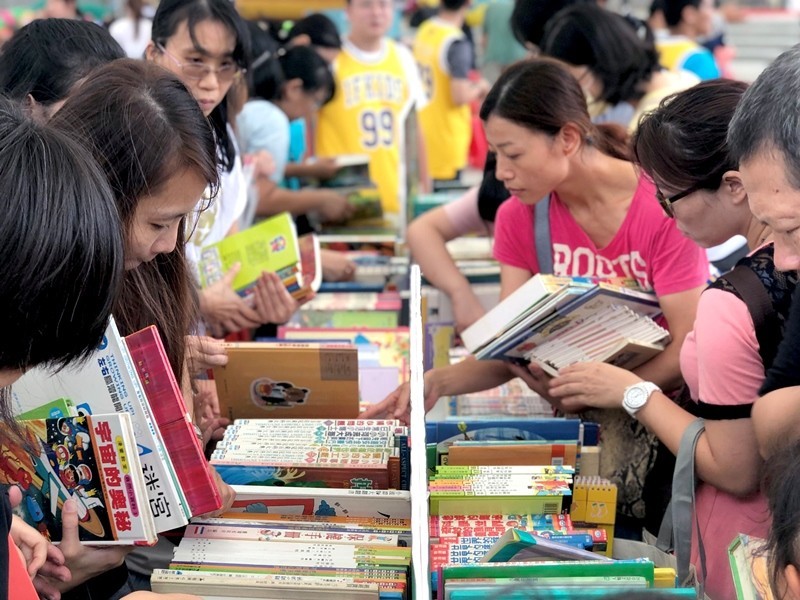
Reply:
x=464, y=216
x=721, y=365
x=647, y=247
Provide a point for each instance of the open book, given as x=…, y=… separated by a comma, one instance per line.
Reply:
x=558, y=321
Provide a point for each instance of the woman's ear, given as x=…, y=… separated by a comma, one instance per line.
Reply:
x=792, y=577
x=732, y=186
x=570, y=139
x=151, y=51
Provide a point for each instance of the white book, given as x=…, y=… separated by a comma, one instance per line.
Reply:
x=510, y=310
x=385, y=504
x=221, y=584
x=105, y=384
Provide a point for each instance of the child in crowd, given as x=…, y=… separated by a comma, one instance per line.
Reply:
x=287, y=85
x=687, y=21
x=377, y=81
x=205, y=44
x=782, y=479
x=445, y=57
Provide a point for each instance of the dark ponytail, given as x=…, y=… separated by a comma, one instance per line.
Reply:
x=541, y=95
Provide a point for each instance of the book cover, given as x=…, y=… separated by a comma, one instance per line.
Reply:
x=288, y=380
x=521, y=546
x=750, y=568
x=91, y=459
x=105, y=384
x=502, y=316
x=270, y=245
x=393, y=343
x=352, y=171
x=164, y=395
x=385, y=504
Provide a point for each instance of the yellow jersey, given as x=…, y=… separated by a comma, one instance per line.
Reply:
x=446, y=126
x=367, y=116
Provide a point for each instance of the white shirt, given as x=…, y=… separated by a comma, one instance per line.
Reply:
x=123, y=30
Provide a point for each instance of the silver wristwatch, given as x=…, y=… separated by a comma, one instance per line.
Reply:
x=637, y=395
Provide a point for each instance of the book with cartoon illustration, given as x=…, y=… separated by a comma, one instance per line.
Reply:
x=92, y=459
x=104, y=384
x=288, y=381
x=270, y=246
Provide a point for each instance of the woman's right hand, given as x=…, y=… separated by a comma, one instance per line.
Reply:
x=466, y=309
x=223, y=309
x=205, y=353
x=334, y=207
x=83, y=562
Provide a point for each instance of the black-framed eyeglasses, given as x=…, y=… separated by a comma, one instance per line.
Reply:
x=666, y=202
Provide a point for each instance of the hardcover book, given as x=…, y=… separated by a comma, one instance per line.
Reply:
x=91, y=459
x=288, y=380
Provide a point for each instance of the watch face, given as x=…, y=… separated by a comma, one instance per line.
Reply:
x=636, y=397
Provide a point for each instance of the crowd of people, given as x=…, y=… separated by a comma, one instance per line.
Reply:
x=126, y=150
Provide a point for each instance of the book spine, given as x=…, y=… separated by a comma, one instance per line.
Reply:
x=348, y=477
x=164, y=395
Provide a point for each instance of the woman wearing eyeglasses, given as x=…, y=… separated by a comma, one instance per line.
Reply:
x=682, y=145
x=205, y=43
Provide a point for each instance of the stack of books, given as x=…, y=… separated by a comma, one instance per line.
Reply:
x=116, y=437
x=480, y=490
x=368, y=454
x=558, y=321
x=274, y=556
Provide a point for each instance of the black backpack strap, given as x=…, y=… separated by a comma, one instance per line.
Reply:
x=751, y=290
x=541, y=231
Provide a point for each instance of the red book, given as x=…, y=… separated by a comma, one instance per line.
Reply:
x=18, y=579
x=167, y=405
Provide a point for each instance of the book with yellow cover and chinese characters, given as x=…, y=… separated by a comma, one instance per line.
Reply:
x=91, y=459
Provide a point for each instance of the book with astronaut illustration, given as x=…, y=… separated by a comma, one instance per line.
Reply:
x=92, y=459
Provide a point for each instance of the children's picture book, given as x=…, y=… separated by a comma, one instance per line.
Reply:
x=103, y=384
x=750, y=568
x=352, y=171
x=288, y=380
x=516, y=545
x=557, y=321
x=91, y=459
x=270, y=246
x=393, y=343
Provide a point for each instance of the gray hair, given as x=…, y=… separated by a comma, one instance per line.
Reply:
x=768, y=116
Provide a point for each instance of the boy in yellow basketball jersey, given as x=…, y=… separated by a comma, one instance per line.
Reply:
x=377, y=82
x=445, y=57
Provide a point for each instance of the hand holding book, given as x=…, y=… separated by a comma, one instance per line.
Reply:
x=598, y=385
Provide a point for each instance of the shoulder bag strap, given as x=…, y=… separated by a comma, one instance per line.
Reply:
x=541, y=231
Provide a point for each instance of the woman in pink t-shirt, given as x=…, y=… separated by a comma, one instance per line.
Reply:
x=604, y=221
x=723, y=360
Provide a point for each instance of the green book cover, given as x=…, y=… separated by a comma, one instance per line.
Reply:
x=637, y=567
x=271, y=246
x=61, y=407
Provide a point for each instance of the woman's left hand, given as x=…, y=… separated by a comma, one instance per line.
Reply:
x=226, y=493
x=594, y=384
